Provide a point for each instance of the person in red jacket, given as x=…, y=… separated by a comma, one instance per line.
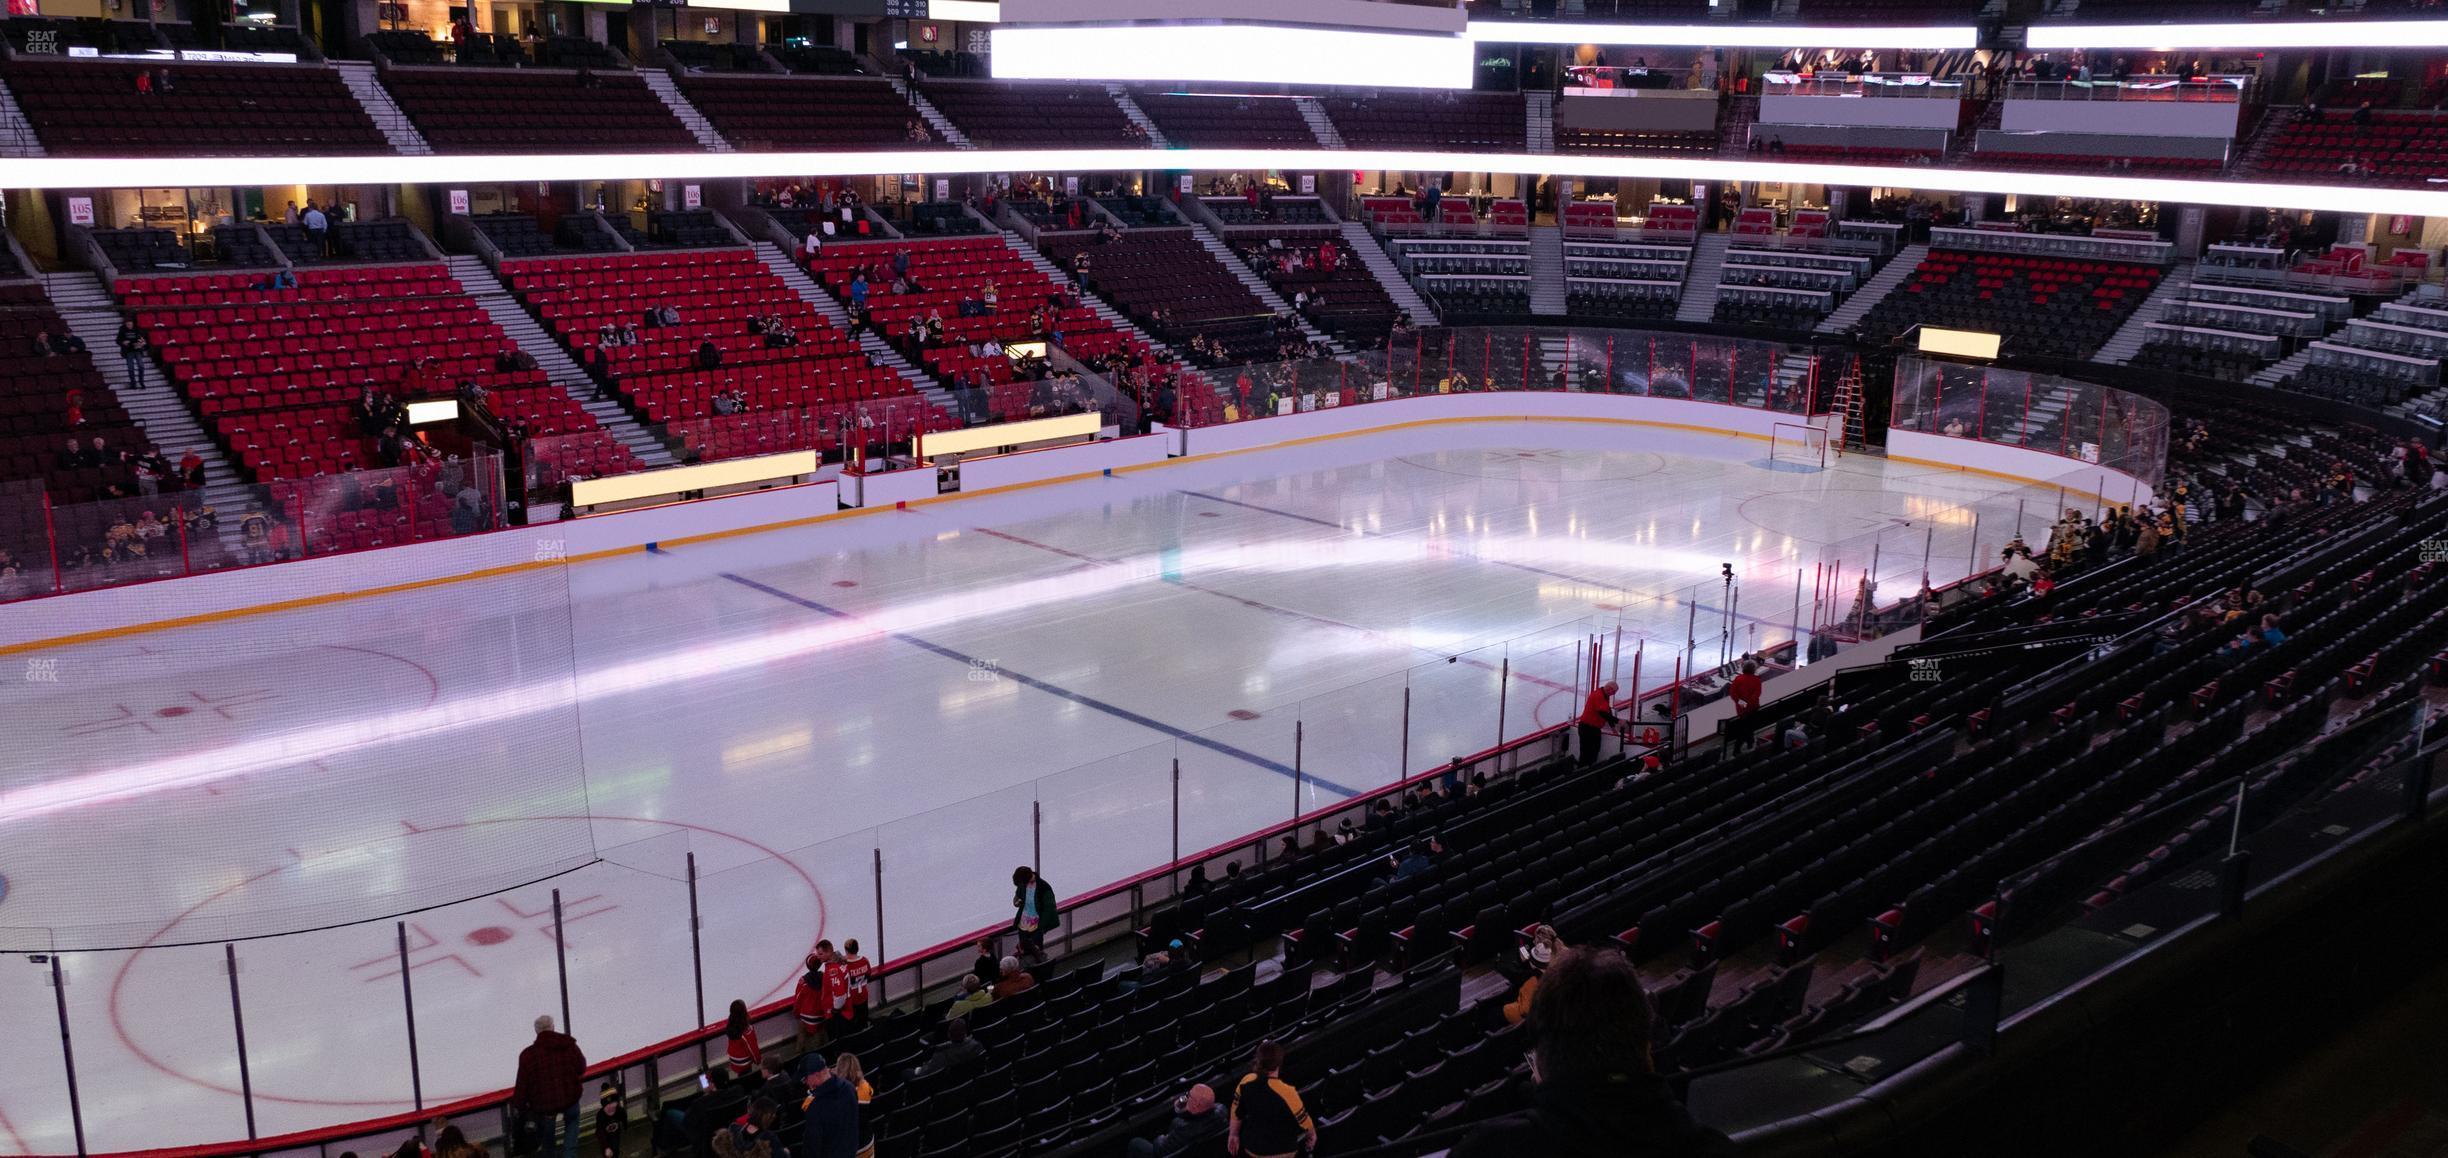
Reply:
x=551, y=1080
x=810, y=1002
x=740, y=1046
x=855, y=969
x=1744, y=690
x=1596, y=714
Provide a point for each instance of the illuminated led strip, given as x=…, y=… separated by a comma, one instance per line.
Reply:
x=142, y=172
x=1258, y=54
x=2325, y=34
x=1777, y=36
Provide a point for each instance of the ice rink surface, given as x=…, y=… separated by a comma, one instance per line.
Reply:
x=947, y=691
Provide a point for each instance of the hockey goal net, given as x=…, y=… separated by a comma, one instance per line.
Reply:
x=1799, y=444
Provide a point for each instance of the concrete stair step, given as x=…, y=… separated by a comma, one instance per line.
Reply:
x=1703, y=278
x=876, y=348
x=495, y=299
x=158, y=409
x=1852, y=310
x=1550, y=289
x=668, y=91
x=1379, y=263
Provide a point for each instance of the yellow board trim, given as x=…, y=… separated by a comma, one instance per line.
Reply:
x=305, y=602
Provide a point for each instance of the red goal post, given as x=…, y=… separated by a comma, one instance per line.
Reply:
x=1800, y=443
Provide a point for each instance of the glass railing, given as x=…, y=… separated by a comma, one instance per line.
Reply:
x=1867, y=84
x=1774, y=376
x=2083, y=421
x=58, y=548
x=2190, y=90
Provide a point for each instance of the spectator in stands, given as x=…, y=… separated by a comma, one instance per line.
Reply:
x=1268, y=1120
x=1544, y=947
x=858, y=290
x=1596, y=715
x=1597, y=1094
x=854, y=1073
x=740, y=1046
x=1744, y=689
x=611, y=1119
x=812, y=998
x=131, y=343
x=551, y=1081
x=254, y=532
x=709, y=355
x=1033, y=911
x=389, y=448
x=1197, y=1122
x=810, y=247
x=855, y=971
x=974, y=995
x=191, y=470
x=832, y=1126
x=750, y=1136
x=452, y=1142
x=2266, y=635
x=959, y=1051
x=1421, y=857
x=1013, y=980
x=318, y=229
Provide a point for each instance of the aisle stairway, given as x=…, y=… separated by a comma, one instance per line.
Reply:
x=2284, y=368
x=1549, y=294
x=1735, y=115
x=944, y=129
x=1097, y=305
x=673, y=99
x=376, y=100
x=2127, y=341
x=1852, y=310
x=1703, y=277
x=1407, y=299
x=1257, y=285
x=1540, y=108
x=17, y=137
x=478, y=280
x=1138, y=116
x=1320, y=125
x=158, y=409
x=875, y=347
